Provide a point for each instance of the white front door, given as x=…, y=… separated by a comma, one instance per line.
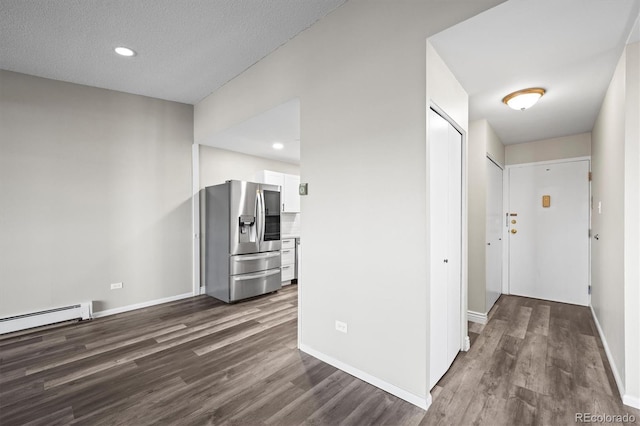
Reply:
x=445, y=172
x=549, y=231
x=495, y=226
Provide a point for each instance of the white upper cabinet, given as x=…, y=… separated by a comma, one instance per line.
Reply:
x=288, y=184
x=271, y=178
x=290, y=195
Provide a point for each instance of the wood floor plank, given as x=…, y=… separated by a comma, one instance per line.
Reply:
x=496, y=380
x=305, y=405
x=200, y=361
x=521, y=407
x=252, y=331
x=518, y=325
x=100, y=349
x=369, y=410
x=539, y=321
x=243, y=403
x=339, y=406
x=531, y=363
x=219, y=324
x=57, y=418
x=591, y=373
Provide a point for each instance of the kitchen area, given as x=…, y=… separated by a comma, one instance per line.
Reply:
x=249, y=206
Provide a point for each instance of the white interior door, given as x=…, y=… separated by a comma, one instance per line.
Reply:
x=445, y=171
x=495, y=226
x=549, y=245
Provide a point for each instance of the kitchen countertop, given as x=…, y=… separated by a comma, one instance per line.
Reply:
x=289, y=236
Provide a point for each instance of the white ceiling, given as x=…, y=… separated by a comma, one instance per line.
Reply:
x=568, y=47
x=186, y=49
x=257, y=135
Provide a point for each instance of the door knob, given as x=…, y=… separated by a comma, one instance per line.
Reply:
x=513, y=231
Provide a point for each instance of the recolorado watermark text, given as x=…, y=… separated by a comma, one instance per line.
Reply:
x=604, y=418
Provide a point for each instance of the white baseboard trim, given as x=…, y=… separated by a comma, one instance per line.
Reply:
x=614, y=369
x=416, y=400
x=631, y=401
x=467, y=344
x=478, y=317
x=128, y=308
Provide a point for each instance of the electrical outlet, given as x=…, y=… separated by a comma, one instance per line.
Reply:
x=116, y=286
x=341, y=326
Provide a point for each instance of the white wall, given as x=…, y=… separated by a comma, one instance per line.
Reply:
x=360, y=76
x=482, y=141
x=615, y=162
x=495, y=147
x=632, y=225
x=94, y=189
x=571, y=146
x=219, y=165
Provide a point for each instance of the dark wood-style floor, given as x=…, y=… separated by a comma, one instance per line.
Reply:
x=198, y=361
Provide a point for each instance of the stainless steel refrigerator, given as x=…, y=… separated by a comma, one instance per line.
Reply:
x=240, y=240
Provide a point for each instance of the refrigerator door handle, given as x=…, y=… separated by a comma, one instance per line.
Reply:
x=258, y=275
x=263, y=218
x=245, y=258
x=258, y=216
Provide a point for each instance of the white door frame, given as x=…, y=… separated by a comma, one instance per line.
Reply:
x=465, y=343
x=505, y=203
x=195, y=210
x=503, y=170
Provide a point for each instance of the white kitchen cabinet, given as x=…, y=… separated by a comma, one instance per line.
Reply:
x=290, y=195
x=288, y=259
x=271, y=178
x=288, y=184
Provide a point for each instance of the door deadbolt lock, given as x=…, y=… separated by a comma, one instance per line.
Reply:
x=513, y=231
x=513, y=221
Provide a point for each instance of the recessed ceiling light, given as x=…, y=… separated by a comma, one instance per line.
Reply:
x=523, y=99
x=124, y=51
x=277, y=145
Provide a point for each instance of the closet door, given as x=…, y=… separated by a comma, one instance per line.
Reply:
x=445, y=171
x=494, y=227
x=454, y=246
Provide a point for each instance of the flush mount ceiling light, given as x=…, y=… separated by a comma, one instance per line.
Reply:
x=277, y=145
x=124, y=51
x=523, y=99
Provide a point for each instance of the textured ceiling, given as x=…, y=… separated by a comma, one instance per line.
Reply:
x=569, y=47
x=186, y=49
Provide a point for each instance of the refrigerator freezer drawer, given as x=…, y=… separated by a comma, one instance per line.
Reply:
x=246, y=263
x=254, y=284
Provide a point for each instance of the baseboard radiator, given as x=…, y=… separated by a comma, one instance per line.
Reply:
x=81, y=311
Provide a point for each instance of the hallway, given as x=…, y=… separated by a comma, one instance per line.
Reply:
x=534, y=362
